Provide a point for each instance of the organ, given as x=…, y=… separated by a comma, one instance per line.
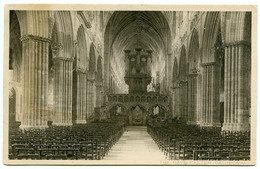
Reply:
x=138, y=70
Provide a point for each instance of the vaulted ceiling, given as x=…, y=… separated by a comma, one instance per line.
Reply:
x=132, y=29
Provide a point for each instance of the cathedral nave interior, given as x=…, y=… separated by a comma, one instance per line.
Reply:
x=81, y=80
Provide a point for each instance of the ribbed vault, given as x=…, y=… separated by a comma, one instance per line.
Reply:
x=129, y=30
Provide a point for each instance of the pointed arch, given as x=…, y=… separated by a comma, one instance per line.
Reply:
x=247, y=27
x=63, y=32
x=193, y=54
x=210, y=34
x=81, y=51
x=183, y=84
x=159, y=105
x=22, y=19
x=183, y=64
x=175, y=72
x=15, y=47
x=92, y=59
x=99, y=69
x=29, y=20
x=132, y=107
x=110, y=107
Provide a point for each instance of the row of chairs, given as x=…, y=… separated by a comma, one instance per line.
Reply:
x=89, y=141
x=179, y=141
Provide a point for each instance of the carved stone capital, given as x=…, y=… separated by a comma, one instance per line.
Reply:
x=55, y=59
x=208, y=64
x=34, y=37
x=80, y=70
x=241, y=42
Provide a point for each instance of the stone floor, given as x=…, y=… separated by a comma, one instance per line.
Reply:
x=136, y=145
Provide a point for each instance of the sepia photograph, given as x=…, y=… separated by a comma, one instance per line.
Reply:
x=130, y=85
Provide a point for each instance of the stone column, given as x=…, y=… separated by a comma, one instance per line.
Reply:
x=103, y=98
x=168, y=69
x=210, y=87
x=178, y=101
x=199, y=99
x=183, y=104
x=81, y=109
x=176, y=109
x=237, y=86
x=35, y=51
x=62, y=91
x=192, y=98
x=84, y=97
x=90, y=98
x=98, y=94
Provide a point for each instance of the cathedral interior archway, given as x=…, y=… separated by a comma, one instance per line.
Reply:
x=131, y=30
x=15, y=48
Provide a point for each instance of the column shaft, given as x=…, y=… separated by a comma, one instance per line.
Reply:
x=192, y=98
x=35, y=78
x=81, y=97
x=210, y=94
x=63, y=93
x=236, y=87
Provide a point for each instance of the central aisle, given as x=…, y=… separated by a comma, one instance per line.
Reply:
x=136, y=145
